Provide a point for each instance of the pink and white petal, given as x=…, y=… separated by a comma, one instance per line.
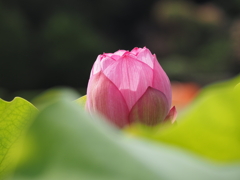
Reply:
x=113, y=56
x=107, y=62
x=161, y=81
x=150, y=109
x=104, y=97
x=120, y=52
x=108, y=54
x=146, y=56
x=172, y=115
x=131, y=76
x=135, y=50
x=116, y=57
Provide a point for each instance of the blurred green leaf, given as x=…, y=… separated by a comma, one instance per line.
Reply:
x=237, y=87
x=66, y=143
x=210, y=127
x=221, y=86
x=15, y=117
x=52, y=95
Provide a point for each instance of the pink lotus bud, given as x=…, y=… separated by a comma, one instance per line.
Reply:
x=129, y=87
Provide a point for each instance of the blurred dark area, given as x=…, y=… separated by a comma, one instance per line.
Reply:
x=46, y=43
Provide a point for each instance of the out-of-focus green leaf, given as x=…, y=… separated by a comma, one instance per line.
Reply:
x=210, y=127
x=15, y=117
x=237, y=87
x=66, y=143
x=52, y=95
x=220, y=86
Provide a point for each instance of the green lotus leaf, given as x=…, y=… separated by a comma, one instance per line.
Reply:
x=15, y=117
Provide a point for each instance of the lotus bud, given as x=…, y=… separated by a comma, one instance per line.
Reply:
x=130, y=86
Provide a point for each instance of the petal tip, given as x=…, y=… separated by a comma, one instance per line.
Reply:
x=172, y=115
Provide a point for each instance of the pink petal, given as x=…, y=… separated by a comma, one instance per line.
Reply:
x=113, y=56
x=108, y=54
x=172, y=115
x=150, y=109
x=131, y=76
x=120, y=52
x=146, y=56
x=104, y=97
x=107, y=62
x=135, y=50
x=161, y=81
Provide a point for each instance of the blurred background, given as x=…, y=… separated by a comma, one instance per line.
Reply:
x=47, y=43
